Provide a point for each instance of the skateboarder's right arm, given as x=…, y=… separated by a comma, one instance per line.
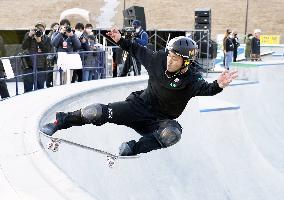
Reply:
x=139, y=52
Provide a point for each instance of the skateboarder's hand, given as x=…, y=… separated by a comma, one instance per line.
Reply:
x=226, y=78
x=114, y=34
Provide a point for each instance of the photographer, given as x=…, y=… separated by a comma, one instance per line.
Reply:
x=140, y=37
x=4, y=93
x=64, y=40
x=36, y=42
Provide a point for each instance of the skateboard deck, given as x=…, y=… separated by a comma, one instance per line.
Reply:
x=54, y=145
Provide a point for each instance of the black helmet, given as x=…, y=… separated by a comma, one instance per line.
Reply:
x=183, y=46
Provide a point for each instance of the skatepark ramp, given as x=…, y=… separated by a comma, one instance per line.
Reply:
x=231, y=147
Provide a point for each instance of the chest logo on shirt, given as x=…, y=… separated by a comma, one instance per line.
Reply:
x=174, y=83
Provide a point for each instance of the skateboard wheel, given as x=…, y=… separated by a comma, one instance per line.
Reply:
x=49, y=145
x=55, y=147
x=110, y=161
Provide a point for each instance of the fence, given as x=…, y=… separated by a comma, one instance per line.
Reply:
x=29, y=70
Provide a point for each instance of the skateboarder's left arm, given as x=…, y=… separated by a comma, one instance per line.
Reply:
x=203, y=88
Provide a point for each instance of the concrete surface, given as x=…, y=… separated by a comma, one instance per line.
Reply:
x=231, y=146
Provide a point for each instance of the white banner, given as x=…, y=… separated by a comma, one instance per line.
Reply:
x=8, y=68
x=69, y=61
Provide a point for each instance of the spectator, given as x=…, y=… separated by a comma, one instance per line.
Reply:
x=53, y=28
x=88, y=29
x=93, y=59
x=79, y=29
x=51, y=59
x=140, y=37
x=227, y=33
x=228, y=50
x=64, y=40
x=90, y=59
x=36, y=43
x=4, y=93
x=255, y=46
x=117, y=59
x=248, y=46
x=77, y=73
x=236, y=43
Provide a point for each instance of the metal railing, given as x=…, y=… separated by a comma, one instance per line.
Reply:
x=29, y=67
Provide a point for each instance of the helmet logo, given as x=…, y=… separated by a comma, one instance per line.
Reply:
x=191, y=52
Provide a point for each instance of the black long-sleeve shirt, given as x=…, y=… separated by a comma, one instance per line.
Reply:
x=255, y=45
x=236, y=43
x=167, y=97
x=229, y=45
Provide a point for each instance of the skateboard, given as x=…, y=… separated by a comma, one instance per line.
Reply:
x=54, y=145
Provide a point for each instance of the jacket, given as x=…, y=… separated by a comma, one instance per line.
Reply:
x=248, y=47
x=255, y=45
x=229, y=45
x=33, y=47
x=73, y=43
x=236, y=44
x=142, y=37
x=167, y=97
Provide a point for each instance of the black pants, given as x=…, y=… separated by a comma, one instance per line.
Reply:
x=29, y=80
x=138, y=117
x=4, y=93
x=127, y=65
x=77, y=75
x=49, y=78
x=235, y=55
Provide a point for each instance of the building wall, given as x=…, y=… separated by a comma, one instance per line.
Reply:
x=164, y=14
x=22, y=14
x=179, y=14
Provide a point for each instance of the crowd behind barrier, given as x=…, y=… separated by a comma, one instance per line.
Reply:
x=65, y=55
x=19, y=71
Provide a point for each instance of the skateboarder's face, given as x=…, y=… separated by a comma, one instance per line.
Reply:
x=174, y=62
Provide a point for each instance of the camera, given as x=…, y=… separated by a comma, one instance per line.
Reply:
x=38, y=33
x=68, y=29
x=128, y=30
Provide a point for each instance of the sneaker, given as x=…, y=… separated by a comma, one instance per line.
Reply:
x=51, y=128
x=126, y=148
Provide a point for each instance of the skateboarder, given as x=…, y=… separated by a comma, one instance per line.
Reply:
x=174, y=79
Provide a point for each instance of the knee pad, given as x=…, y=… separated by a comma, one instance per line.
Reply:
x=169, y=133
x=94, y=113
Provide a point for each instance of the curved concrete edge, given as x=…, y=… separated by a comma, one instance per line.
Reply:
x=26, y=172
